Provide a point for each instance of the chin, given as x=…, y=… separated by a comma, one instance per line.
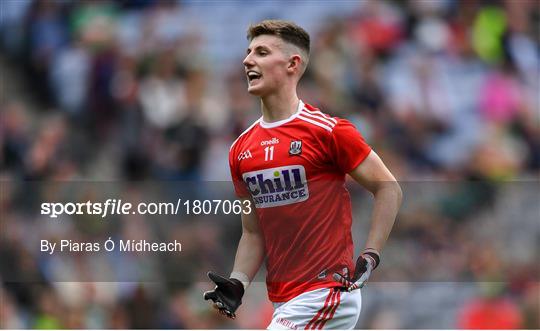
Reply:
x=255, y=90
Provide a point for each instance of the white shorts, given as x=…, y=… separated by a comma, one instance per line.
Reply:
x=326, y=308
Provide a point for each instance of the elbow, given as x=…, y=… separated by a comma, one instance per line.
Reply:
x=391, y=190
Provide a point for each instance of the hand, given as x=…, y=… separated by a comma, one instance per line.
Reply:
x=367, y=261
x=227, y=295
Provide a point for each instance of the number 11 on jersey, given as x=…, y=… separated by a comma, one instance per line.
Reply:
x=269, y=153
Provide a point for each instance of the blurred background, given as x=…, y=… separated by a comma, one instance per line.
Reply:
x=148, y=91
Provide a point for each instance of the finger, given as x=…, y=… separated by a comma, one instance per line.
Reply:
x=227, y=313
x=210, y=295
x=359, y=283
x=217, y=279
x=230, y=315
x=344, y=281
x=220, y=307
x=355, y=286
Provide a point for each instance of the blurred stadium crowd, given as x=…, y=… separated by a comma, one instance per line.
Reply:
x=447, y=92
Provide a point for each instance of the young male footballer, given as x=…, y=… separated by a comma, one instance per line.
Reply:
x=291, y=164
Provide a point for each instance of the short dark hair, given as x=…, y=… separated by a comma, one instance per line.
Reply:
x=286, y=30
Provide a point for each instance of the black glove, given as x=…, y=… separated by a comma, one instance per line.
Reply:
x=366, y=262
x=227, y=295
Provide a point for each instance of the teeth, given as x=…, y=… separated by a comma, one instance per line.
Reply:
x=253, y=75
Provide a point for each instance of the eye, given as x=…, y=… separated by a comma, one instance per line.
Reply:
x=263, y=53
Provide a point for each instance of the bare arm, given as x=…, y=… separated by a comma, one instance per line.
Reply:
x=250, y=252
x=373, y=175
x=228, y=293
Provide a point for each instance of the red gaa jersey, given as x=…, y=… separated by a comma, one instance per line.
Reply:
x=294, y=170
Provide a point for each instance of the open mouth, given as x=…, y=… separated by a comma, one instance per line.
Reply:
x=253, y=76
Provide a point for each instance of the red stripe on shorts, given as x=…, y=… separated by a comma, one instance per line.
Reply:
x=324, y=307
x=333, y=310
x=327, y=312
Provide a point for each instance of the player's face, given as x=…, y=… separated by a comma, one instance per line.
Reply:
x=265, y=65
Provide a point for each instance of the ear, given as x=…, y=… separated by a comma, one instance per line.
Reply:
x=295, y=61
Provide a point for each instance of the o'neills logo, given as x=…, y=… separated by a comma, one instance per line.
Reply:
x=270, y=142
x=277, y=186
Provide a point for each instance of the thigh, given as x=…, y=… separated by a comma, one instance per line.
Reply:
x=327, y=308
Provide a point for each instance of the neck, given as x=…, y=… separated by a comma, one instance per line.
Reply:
x=279, y=107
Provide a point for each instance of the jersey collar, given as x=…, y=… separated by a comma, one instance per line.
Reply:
x=269, y=125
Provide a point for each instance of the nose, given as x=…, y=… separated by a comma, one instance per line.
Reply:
x=248, y=62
